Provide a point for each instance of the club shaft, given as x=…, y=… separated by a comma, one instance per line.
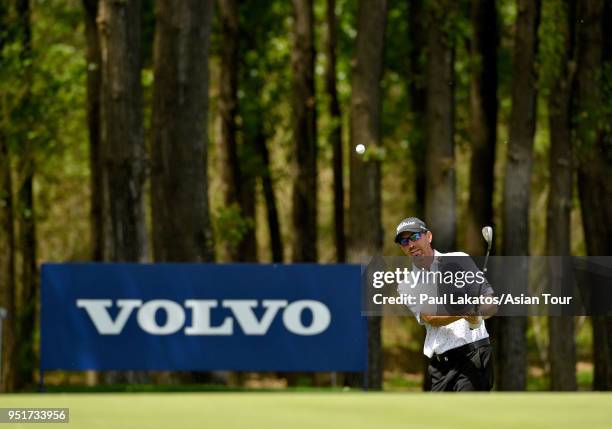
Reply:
x=484, y=266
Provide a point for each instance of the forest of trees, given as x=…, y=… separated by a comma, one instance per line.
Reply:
x=224, y=131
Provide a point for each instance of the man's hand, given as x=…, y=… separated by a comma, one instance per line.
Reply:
x=473, y=320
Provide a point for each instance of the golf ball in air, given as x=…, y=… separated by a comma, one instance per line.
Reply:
x=360, y=149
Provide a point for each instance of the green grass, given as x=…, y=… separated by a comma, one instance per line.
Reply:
x=182, y=388
x=335, y=410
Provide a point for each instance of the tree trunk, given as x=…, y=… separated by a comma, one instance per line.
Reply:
x=248, y=161
x=601, y=359
x=365, y=223
x=483, y=108
x=94, y=122
x=512, y=330
x=304, y=134
x=122, y=133
x=26, y=216
x=227, y=145
x=122, y=137
x=29, y=274
x=418, y=102
x=336, y=132
x=248, y=245
x=268, y=190
x=98, y=203
x=7, y=266
x=7, y=247
x=228, y=100
x=562, y=345
x=606, y=141
x=255, y=154
x=593, y=155
x=418, y=98
x=440, y=116
x=179, y=198
x=180, y=209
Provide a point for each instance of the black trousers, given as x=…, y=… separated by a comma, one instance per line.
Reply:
x=471, y=371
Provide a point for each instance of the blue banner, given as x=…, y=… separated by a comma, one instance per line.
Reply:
x=244, y=317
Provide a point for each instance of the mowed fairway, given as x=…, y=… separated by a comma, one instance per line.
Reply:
x=334, y=410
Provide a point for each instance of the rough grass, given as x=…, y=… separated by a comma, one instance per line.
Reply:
x=353, y=410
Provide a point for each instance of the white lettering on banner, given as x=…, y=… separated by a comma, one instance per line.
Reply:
x=98, y=313
x=242, y=311
x=200, y=319
x=293, y=321
x=175, y=317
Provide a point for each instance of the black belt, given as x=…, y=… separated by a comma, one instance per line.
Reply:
x=455, y=353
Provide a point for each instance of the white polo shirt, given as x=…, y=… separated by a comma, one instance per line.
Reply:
x=440, y=339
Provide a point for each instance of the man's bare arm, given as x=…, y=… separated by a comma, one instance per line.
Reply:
x=440, y=320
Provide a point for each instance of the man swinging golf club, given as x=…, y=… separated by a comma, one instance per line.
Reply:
x=458, y=345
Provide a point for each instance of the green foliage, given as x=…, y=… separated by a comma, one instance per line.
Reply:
x=264, y=80
x=40, y=92
x=400, y=382
x=605, y=123
x=147, y=36
x=397, y=39
x=593, y=119
x=43, y=120
x=374, y=153
x=552, y=36
x=507, y=18
x=229, y=225
x=595, y=116
x=464, y=63
x=396, y=74
x=345, y=37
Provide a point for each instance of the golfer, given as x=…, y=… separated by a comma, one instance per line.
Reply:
x=458, y=346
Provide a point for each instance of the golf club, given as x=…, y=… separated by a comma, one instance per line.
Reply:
x=487, y=233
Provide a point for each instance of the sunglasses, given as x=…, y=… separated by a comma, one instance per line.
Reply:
x=414, y=237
